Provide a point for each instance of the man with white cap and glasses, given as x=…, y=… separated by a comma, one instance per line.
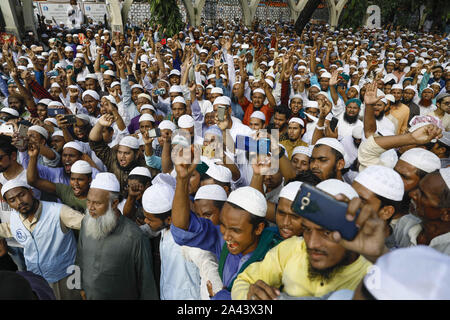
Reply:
x=184, y=270
x=237, y=242
x=113, y=254
x=310, y=266
x=121, y=159
x=44, y=229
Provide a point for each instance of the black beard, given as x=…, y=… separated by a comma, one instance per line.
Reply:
x=350, y=119
x=380, y=116
x=325, y=275
x=404, y=101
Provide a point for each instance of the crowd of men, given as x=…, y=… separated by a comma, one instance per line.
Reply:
x=144, y=167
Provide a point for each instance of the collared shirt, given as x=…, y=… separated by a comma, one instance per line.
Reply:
x=286, y=266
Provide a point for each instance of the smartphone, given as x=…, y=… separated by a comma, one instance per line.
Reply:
x=52, y=112
x=154, y=133
x=320, y=208
x=22, y=132
x=246, y=143
x=333, y=123
x=160, y=92
x=71, y=118
x=221, y=112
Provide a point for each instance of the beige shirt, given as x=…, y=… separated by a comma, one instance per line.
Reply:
x=70, y=219
x=369, y=153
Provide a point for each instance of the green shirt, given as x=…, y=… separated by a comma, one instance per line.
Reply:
x=65, y=193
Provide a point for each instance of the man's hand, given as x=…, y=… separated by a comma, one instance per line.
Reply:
x=370, y=98
x=33, y=150
x=334, y=78
x=106, y=120
x=262, y=291
x=425, y=134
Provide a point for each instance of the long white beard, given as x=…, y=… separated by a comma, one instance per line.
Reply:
x=101, y=227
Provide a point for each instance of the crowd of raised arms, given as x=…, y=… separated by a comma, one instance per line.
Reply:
x=137, y=166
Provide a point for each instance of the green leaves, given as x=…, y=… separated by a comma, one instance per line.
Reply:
x=167, y=14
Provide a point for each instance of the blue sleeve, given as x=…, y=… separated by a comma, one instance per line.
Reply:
x=196, y=111
x=222, y=295
x=177, y=62
x=314, y=80
x=153, y=162
x=4, y=87
x=39, y=75
x=424, y=83
x=202, y=233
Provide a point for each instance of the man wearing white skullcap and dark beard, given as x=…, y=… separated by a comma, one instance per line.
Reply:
x=114, y=255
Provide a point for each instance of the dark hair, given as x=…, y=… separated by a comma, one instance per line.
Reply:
x=204, y=177
x=254, y=219
x=142, y=179
x=388, y=202
x=444, y=198
x=283, y=110
x=6, y=145
x=447, y=148
x=218, y=204
x=163, y=216
x=307, y=177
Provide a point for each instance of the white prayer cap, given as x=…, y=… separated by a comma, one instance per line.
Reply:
x=174, y=72
x=10, y=111
x=269, y=82
x=109, y=73
x=72, y=86
x=14, y=183
x=357, y=132
x=165, y=178
x=326, y=75
x=249, y=199
x=84, y=117
x=137, y=86
x=259, y=115
x=390, y=97
x=58, y=133
x=68, y=49
x=221, y=101
x=335, y=187
x=389, y=158
x=382, y=181
x=146, y=117
x=445, y=174
x=422, y=159
x=81, y=166
x=144, y=58
x=145, y=96
x=45, y=101
x=290, y=190
x=106, y=181
x=259, y=90
x=332, y=143
x=185, y=121
x=179, y=100
x=148, y=107
x=41, y=130
x=140, y=171
x=115, y=83
x=217, y=90
x=175, y=89
x=209, y=107
x=414, y=273
x=312, y=104
x=219, y=173
x=158, y=198
x=130, y=142
x=397, y=86
x=410, y=88
x=91, y=93
x=211, y=192
x=91, y=76
x=404, y=61
x=297, y=120
x=167, y=124
x=55, y=85
x=307, y=151
x=74, y=145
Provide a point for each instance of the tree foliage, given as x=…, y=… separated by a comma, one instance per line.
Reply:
x=167, y=14
x=353, y=14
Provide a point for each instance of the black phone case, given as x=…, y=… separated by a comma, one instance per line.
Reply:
x=322, y=209
x=333, y=123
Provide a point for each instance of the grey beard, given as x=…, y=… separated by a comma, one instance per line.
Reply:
x=99, y=228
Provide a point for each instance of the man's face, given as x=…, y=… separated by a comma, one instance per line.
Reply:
x=408, y=95
x=295, y=131
x=107, y=79
x=352, y=93
x=258, y=100
x=145, y=126
x=256, y=124
x=57, y=143
x=154, y=222
x=378, y=109
x=206, y=209
x=397, y=93
x=296, y=105
x=134, y=94
x=426, y=198
x=289, y=224
x=323, y=252
x=312, y=111
x=80, y=130
x=20, y=199
x=444, y=105
x=323, y=162
x=80, y=184
x=279, y=120
x=352, y=109
x=5, y=161
x=427, y=94
x=125, y=156
x=324, y=83
x=178, y=109
x=237, y=230
x=91, y=84
x=367, y=196
x=437, y=74
x=97, y=202
x=68, y=157
x=300, y=162
x=408, y=174
x=210, y=120
x=90, y=104
x=273, y=181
